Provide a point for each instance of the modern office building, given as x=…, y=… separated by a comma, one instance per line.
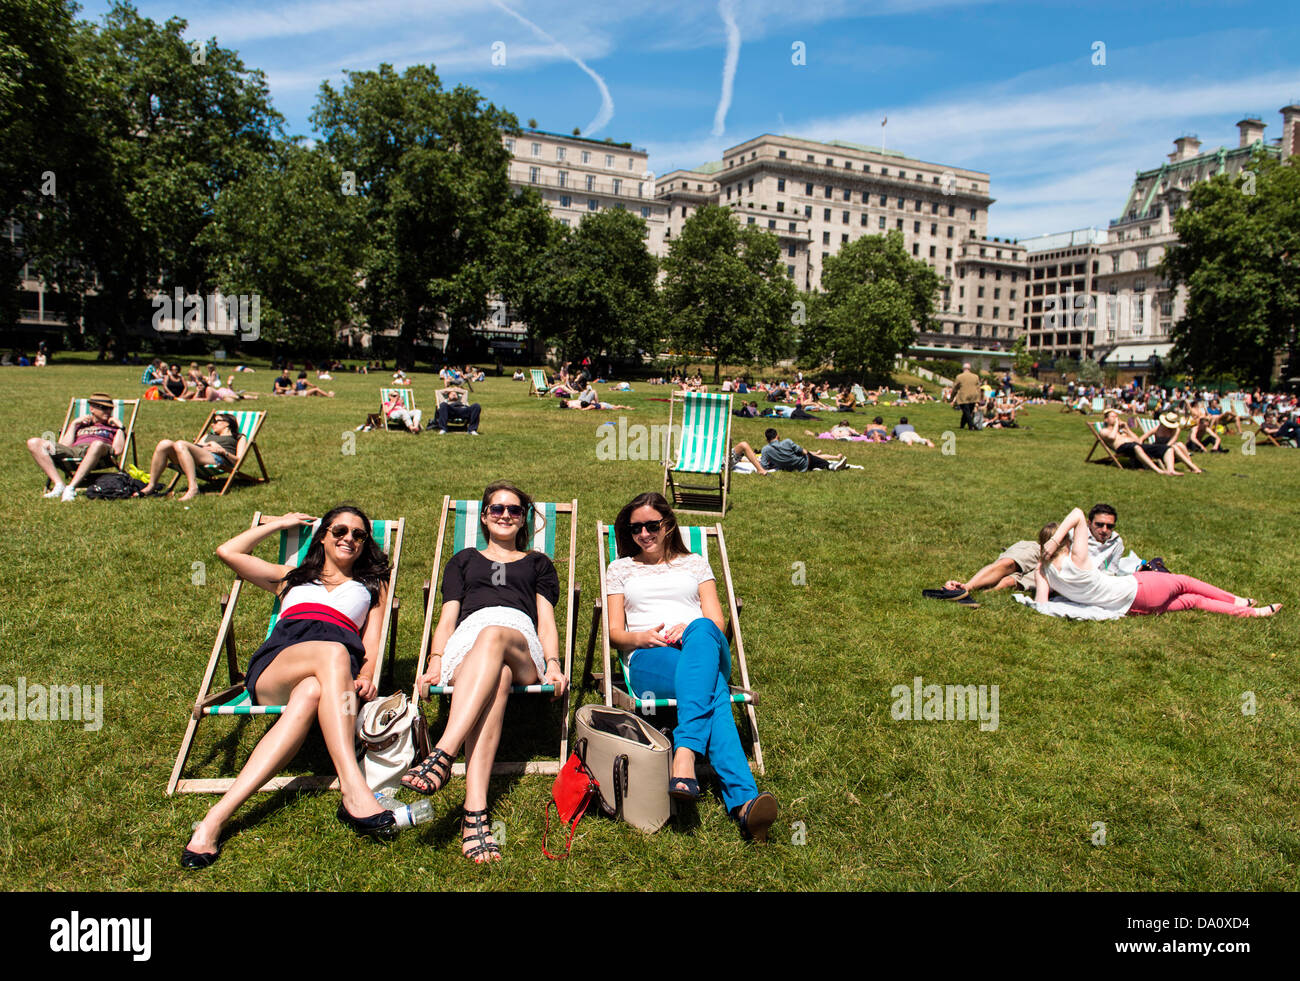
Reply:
x=1059, y=309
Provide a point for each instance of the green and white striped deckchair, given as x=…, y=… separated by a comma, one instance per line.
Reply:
x=408, y=402
x=1242, y=411
x=124, y=411
x=1148, y=425
x=538, y=386
x=467, y=532
x=234, y=700
x=249, y=423
x=703, y=452
x=1098, y=403
x=619, y=693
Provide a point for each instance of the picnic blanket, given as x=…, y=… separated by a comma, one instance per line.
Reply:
x=1068, y=608
x=854, y=439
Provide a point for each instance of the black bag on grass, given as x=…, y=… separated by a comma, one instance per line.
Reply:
x=113, y=486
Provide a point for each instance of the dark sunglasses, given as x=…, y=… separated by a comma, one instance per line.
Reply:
x=1102, y=524
x=341, y=531
x=514, y=510
x=650, y=526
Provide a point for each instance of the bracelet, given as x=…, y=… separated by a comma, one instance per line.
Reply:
x=435, y=655
x=550, y=659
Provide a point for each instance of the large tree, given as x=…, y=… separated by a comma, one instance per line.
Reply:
x=593, y=289
x=1238, y=254
x=726, y=293
x=161, y=128
x=874, y=299
x=432, y=172
x=286, y=234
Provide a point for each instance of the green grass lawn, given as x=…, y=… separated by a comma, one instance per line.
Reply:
x=1136, y=723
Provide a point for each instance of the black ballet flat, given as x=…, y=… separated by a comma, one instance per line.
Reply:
x=199, y=860
x=381, y=825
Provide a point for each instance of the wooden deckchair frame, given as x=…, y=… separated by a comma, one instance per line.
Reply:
x=573, y=592
x=532, y=382
x=439, y=397
x=225, y=642
x=618, y=695
x=1095, y=429
x=214, y=474
x=696, y=498
x=408, y=403
x=112, y=462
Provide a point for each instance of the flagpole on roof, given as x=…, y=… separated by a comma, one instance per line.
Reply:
x=882, y=133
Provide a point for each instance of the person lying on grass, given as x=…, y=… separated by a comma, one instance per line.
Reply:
x=496, y=629
x=665, y=615
x=320, y=658
x=786, y=454
x=1066, y=568
x=905, y=432
x=220, y=447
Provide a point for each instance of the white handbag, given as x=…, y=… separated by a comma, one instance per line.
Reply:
x=385, y=744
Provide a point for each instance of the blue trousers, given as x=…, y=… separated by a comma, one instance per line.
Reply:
x=698, y=677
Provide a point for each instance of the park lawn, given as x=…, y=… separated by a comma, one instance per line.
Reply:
x=1137, y=724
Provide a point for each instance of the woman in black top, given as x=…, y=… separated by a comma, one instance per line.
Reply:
x=497, y=629
x=221, y=448
x=173, y=385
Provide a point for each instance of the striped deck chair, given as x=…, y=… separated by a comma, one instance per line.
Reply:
x=1148, y=426
x=124, y=411
x=617, y=691
x=1242, y=411
x=234, y=700
x=702, y=453
x=538, y=385
x=859, y=394
x=408, y=402
x=467, y=532
x=1098, y=403
x=1095, y=429
x=250, y=423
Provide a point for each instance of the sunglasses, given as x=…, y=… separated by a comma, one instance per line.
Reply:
x=342, y=531
x=1102, y=524
x=650, y=526
x=514, y=510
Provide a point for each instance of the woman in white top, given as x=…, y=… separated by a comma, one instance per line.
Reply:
x=320, y=657
x=1069, y=572
x=664, y=610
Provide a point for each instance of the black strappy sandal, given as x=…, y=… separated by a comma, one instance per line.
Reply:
x=437, y=764
x=483, y=850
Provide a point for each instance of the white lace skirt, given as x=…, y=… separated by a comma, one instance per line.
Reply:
x=493, y=616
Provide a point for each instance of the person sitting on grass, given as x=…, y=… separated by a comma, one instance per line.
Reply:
x=173, y=384
x=319, y=659
x=497, y=629
x=221, y=448
x=282, y=384
x=1066, y=568
x=786, y=454
x=395, y=411
x=518, y=375
x=905, y=432
x=844, y=400
x=304, y=387
x=1201, y=432
x=664, y=614
x=86, y=441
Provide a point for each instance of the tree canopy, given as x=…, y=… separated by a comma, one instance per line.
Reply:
x=1238, y=254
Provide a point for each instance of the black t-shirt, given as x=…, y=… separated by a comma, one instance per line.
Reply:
x=469, y=579
x=176, y=386
x=282, y=382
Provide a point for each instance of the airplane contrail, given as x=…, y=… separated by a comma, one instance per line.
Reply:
x=727, y=10
x=606, y=112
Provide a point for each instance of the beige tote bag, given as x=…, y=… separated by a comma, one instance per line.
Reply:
x=631, y=760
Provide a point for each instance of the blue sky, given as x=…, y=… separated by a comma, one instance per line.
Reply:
x=1009, y=88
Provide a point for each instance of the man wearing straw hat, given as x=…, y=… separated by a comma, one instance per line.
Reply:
x=86, y=441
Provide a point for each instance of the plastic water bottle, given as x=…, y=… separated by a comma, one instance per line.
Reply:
x=406, y=815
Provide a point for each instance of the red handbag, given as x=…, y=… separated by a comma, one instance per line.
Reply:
x=573, y=790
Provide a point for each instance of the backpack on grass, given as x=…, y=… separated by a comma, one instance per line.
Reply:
x=112, y=487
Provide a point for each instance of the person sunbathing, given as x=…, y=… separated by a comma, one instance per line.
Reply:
x=1066, y=568
x=219, y=448
x=319, y=659
x=876, y=430
x=1167, y=433
x=665, y=616
x=395, y=411
x=497, y=629
x=1116, y=434
x=303, y=387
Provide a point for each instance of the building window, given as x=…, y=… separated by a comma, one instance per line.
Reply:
x=781, y=154
x=780, y=183
x=883, y=200
x=843, y=239
x=640, y=189
x=844, y=219
x=586, y=156
x=934, y=205
x=918, y=205
x=947, y=253
x=830, y=162
x=559, y=153
x=1142, y=259
x=618, y=186
x=882, y=221
x=780, y=206
x=952, y=210
x=807, y=210
x=979, y=312
x=826, y=238
x=1114, y=263
x=864, y=220
x=728, y=192
x=997, y=293
x=916, y=228
x=564, y=222
x=829, y=190
x=771, y=223
x=884, y=171
x=789, y=270
x=916, y=248
x=609, y=161
x=899, y=224
x=537, y=149
x=565, y=201
x=534, y=174
x=900, y=202
x=510, y=145
x=807, y=189
x=751, y=220
x=591, y=183
x=848, y=194
x=751, y=185
x=645, y=212
x=792, y=226
x=980, y=292
x=934, y=229
x=932, y=252
x=950, y=231
x=563, y=178
x=826, y=214
x=631, y=164
x=592, y=204
x=683, y=211
x=789, y=250
x=972, y=214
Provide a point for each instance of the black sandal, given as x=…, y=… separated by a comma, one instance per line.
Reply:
x=484, y=850
x=436, y=763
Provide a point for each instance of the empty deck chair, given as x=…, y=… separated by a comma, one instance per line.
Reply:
x=703, y=476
